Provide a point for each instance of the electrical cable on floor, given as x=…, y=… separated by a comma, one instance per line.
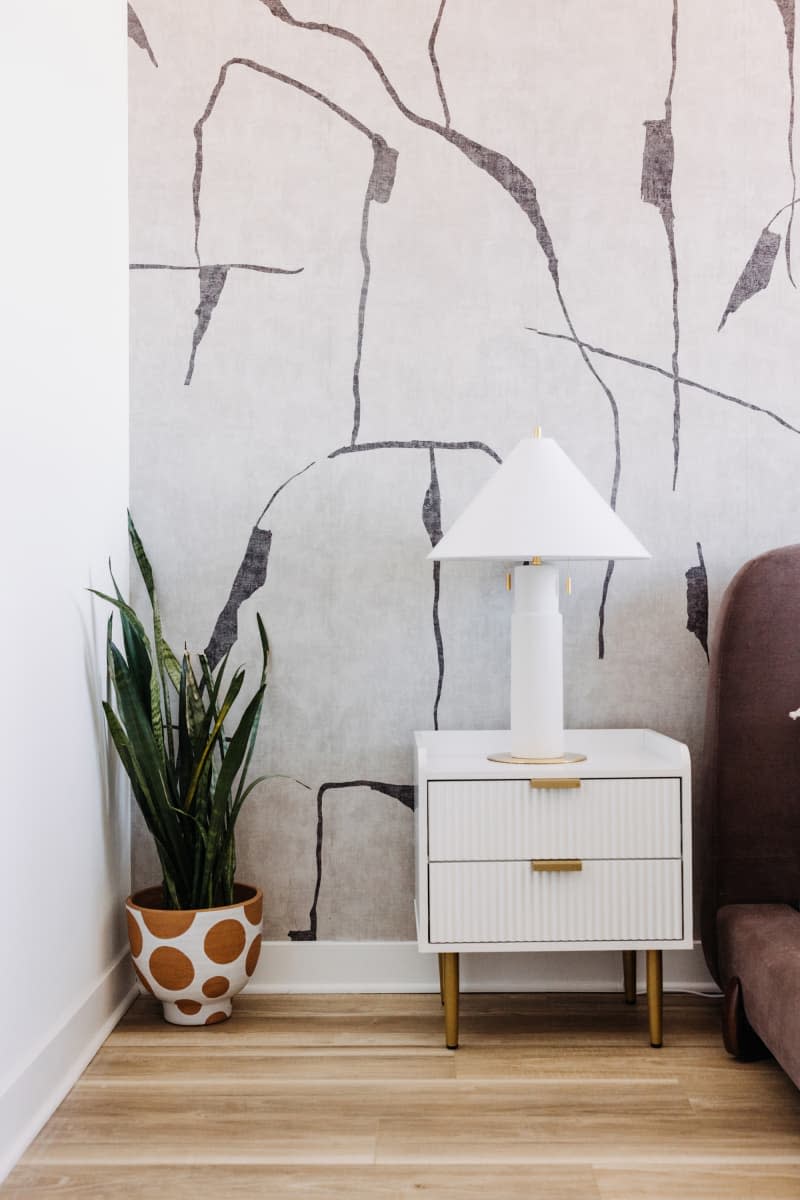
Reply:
x=716, y=995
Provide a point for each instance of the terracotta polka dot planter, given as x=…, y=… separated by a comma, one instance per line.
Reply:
x=195, y=960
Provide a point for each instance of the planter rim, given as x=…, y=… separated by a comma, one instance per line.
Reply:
x=251, y=892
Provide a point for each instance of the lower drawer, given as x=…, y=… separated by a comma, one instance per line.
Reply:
x=607, y=900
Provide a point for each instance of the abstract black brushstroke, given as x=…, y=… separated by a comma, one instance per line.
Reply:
x=379, y=189
x=137, y=34
x=601, y=612
x=218, y=266
x=435, y=64
x=684, y=380
x=756, y=272
x=384, y=169
x=212, y=280
x=432, y=505
x=763, y=249
x=432, y=520
x=519, y=186
x=416, y=444
x=404, y=792
x=516, y=184
x=658, y=162
x=787, y=11
x=251, y=575
x=280, y=488
x=601, y=623
x=697, y=601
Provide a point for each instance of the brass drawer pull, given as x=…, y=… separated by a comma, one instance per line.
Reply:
x=555, y=783
x=556, y=864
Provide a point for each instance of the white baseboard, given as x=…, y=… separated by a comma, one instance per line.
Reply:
x=399, y=967
x=31, y=1096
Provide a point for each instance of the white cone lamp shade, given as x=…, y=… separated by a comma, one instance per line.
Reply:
x=538, y=503
x=537, y=508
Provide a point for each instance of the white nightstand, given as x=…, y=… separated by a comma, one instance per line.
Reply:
x=595, y=855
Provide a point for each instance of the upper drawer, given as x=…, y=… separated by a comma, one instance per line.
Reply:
x=510, y=819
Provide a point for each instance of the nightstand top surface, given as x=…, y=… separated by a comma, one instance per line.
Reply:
x=462, y=754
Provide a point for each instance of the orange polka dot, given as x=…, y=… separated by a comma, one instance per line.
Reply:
x=252, y=955
x=216, y=1017
x=253, y=910
x=225, y=941
x=216, y=986
x=167, y=922
x=142, y=979
x=190, y=1007
x=134, y=934
x=170, y=968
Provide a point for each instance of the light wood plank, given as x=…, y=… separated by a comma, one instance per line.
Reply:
x=698, y=1182
x=120, y=1067
x=355, y=1096
x=290, y=1183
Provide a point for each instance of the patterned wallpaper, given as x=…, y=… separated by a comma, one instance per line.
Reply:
x=372, y=245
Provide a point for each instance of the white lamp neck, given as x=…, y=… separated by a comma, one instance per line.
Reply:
x=536, y=589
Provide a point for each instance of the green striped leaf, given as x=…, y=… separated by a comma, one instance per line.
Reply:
x=233, y=692
x=228, y=772
x=167, y=660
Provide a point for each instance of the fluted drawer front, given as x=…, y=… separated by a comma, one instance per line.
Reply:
x=603, y=818
x=510, y=902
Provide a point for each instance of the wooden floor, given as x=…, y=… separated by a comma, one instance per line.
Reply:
x=354, y=1096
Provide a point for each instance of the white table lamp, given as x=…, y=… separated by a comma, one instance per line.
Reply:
x=536, y=509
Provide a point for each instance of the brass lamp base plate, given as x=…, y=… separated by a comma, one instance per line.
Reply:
x=554, y=762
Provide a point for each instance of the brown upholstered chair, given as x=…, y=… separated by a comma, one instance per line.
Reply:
x=750, y=811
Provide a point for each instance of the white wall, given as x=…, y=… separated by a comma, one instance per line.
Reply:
x=64, y=853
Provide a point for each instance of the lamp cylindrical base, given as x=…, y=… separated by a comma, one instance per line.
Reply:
x=537, y=690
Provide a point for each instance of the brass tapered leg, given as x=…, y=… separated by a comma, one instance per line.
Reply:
x=450, y=973
x=655, y=996
x=629, y=975
x=441, y=977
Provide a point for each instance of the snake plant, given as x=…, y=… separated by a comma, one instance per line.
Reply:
x=188, y=775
